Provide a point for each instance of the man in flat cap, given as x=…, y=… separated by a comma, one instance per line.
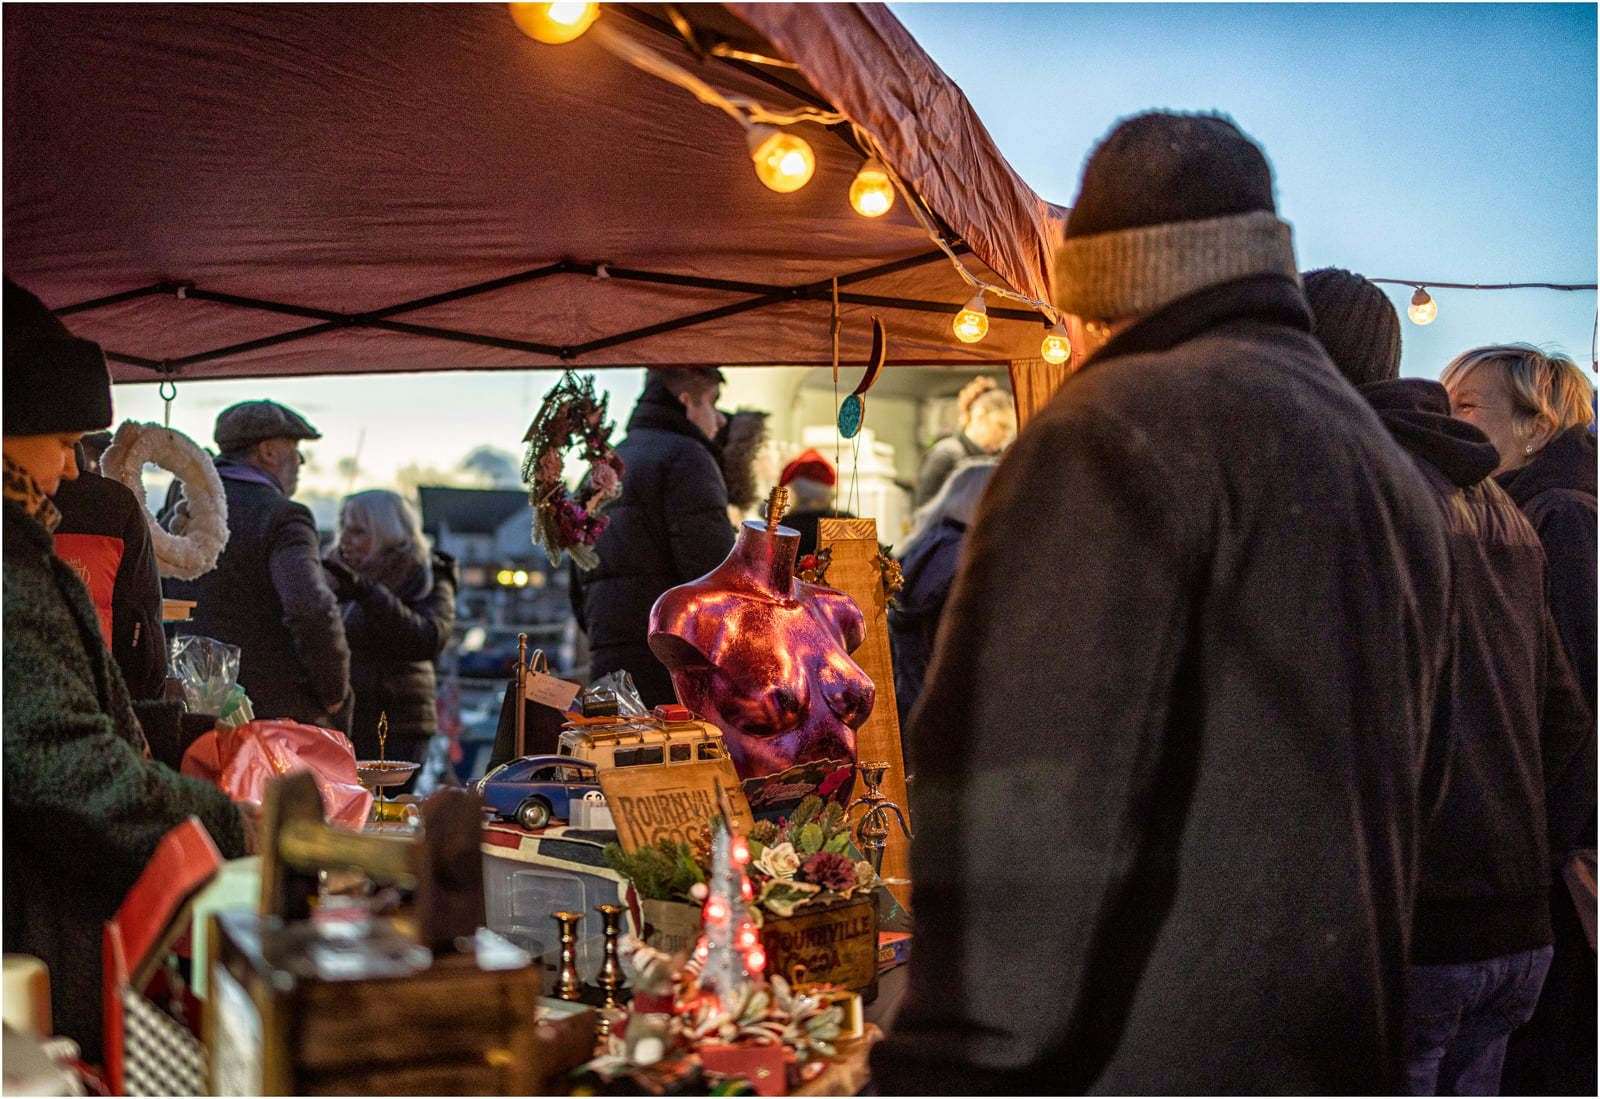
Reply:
x=268, y=594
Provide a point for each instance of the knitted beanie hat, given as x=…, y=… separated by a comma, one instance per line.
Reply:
x=54, y=382
x=1170, y=204
x=1357, y=324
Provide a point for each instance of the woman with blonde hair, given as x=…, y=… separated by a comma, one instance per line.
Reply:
x=987, y=424
x=1538, y=410
x=398, y=602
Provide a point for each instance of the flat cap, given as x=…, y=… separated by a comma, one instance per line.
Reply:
x=252, y=421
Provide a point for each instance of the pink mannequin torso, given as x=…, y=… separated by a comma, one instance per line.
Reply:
x=765, y=657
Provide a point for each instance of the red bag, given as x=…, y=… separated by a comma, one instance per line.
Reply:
x=243, y=760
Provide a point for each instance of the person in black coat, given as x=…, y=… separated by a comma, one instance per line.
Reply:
x=1513, y=738
x=1538, y=411
x=399, y=604
x=669, y=526
x=928, y=565
x=1166, y=793
x=105, y=535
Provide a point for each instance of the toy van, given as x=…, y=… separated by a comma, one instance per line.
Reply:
x=667, y=735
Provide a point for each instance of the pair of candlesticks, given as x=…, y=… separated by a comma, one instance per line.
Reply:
x=609, y=978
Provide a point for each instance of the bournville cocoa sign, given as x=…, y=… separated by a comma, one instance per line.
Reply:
x=671, y=801
x=836, y=945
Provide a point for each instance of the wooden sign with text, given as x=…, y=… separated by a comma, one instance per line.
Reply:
x=854, y=571
x=671, y=801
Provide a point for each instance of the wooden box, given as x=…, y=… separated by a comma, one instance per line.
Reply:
x=834, y=945
x=294, y=1011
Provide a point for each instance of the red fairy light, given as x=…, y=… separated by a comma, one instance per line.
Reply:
x=747, y=936
x=717, y=910
x=745, y=891
x=756, y=960
x=741, y=851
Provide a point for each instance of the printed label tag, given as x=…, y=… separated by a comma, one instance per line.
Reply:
x=547, y=690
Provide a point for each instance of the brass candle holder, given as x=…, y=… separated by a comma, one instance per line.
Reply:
x=378, y=774
x=610, y=979
x=567, y=982
x=872, y=830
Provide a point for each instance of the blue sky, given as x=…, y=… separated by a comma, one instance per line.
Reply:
x=1429, y=141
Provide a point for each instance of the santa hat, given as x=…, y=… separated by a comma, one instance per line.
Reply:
x=811, y=465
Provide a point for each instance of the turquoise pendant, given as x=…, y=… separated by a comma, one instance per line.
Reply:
x=851, y=413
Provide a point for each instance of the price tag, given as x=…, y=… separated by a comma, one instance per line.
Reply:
x=547, y=690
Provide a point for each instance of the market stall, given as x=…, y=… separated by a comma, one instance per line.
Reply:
x=247, y=191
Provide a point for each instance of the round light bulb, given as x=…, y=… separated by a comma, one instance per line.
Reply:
x=784, y=161
x=520, y=578
x=1423, y=308
x=972, y=323
x=554, y=24
x=871, y=193
x=504, y=577
x=1056, y=347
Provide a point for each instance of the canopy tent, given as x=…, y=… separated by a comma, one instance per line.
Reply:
x=255, y=190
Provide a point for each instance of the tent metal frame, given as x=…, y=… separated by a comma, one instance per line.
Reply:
x=760, y=296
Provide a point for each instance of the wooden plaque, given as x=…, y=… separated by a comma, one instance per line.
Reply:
x=671, y=800
x=854, y=571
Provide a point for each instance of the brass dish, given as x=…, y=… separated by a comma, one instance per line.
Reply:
x=377, y=773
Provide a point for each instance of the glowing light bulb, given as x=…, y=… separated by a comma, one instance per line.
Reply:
x=520, y=578
x=717, y=910
x=1056, y=348
x=741, y=852
x=1423, y=308
x=871, y=193
x=972, y=323
x=784, y=161
x=747, y=936
x=756, y=960
x=745, y=891
x=554, y=24
x=504, y=576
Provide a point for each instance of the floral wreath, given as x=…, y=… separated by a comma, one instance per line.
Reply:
x=193, y=551
x=570, y=415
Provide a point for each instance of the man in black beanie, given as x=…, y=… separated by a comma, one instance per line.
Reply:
x=84, y=804
x=1519, y=785
x=1167, y=755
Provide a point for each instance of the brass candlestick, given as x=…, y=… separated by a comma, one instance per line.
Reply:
x=872, y=830
x=611, y=969
x=567, y=982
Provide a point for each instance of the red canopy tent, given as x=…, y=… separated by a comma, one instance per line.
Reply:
x=252, y=190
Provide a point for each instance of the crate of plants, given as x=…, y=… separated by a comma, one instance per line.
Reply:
x=812, y=895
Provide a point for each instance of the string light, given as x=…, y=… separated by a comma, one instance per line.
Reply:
x=972, y=323
x=871, y=193
x=1056, y=347
x=784, y=161
x=554, y=24
x=1423, y=308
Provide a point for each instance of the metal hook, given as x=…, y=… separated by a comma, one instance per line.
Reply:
x=168, y=392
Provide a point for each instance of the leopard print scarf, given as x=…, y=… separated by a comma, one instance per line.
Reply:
x=21, y=488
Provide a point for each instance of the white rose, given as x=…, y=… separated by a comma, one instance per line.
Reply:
x=779, y=862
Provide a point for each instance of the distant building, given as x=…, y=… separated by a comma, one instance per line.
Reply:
x=506, y=581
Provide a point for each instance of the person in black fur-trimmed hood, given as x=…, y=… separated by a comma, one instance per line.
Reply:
x=1518, y=786
x=85, y=805
x=669, y=526
x=1167, y=753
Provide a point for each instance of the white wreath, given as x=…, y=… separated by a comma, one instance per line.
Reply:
x=194, y=552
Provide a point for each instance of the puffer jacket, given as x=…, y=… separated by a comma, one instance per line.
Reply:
x=1515, y=730
x=395, y=637
x=669, y=526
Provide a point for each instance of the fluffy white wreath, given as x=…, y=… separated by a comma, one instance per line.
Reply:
x=194, y=552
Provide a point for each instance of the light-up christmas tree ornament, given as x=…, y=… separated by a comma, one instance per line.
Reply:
x=729, y=950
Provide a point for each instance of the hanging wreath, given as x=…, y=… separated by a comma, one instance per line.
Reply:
x=571, y=415
x=193, y=551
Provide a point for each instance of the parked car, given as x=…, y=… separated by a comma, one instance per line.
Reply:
x=535, y=789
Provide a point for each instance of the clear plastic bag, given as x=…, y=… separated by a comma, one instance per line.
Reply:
x=617, y=687
x=208, y=670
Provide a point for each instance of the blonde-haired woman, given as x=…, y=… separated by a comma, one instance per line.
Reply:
x=398, y=602
x=987, y=425
x=1538, y=410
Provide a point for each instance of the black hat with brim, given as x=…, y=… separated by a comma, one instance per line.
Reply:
x=55, y=383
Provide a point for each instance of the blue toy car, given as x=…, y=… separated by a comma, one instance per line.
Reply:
x=534, y=789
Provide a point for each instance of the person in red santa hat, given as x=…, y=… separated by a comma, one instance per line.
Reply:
x=810, y=479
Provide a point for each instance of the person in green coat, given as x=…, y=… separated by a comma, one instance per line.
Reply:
x=85, y=805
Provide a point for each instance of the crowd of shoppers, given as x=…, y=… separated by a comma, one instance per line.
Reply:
x=1250, y=748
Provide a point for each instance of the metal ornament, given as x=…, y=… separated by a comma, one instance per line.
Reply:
x=567, y=981
x=872, y=830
